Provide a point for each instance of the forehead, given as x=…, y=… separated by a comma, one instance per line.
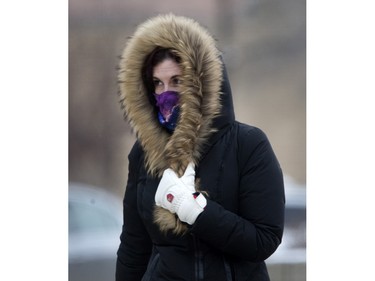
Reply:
x=166, y=68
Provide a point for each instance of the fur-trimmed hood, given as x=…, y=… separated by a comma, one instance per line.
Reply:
x=205, y=96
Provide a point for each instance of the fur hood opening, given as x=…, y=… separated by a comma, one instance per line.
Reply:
x=201, y=96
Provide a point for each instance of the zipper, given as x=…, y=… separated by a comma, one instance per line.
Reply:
x=228, y=270
x=198, y=260
x=151, y=266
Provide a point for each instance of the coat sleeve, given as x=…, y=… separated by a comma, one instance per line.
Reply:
x=135, y=244
x=255, y=232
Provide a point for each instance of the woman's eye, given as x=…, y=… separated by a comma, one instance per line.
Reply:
x=176, y=81
x=157, y=83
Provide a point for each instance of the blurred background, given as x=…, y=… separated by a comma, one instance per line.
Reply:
x=264, y=49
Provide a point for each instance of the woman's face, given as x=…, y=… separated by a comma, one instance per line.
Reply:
x=166, y=76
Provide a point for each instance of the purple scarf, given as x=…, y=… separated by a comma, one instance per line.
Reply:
x=168, y=114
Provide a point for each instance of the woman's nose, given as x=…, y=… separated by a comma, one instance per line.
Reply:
x=167, y=87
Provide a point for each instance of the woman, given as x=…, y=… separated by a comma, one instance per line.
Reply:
x=205, y=196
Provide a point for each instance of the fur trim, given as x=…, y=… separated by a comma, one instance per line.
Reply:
x=169, y=222
x=199, y=96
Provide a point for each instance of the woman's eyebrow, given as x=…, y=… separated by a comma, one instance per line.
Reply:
x=174, y=76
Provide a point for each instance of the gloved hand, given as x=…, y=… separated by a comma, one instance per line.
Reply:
x=178, y=195
x=188, y=178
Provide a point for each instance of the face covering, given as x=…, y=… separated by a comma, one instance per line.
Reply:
x=169, y=111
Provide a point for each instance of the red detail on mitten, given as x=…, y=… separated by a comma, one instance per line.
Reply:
x=170, y=197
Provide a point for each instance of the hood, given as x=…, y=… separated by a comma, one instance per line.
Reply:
x=205, y=98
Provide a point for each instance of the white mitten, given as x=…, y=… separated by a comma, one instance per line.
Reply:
x=189, y=177
x=176, y=195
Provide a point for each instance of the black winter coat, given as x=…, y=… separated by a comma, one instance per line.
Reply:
x=242, y=224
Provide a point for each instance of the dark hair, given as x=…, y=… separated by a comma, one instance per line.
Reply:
x=158, y=55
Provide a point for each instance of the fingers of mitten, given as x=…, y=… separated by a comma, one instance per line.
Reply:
x=190, y=170
x=189, y=177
